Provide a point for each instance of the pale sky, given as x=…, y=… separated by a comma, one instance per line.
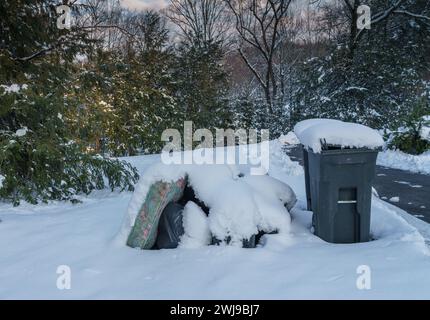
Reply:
x=159, y=4
x=144, y=4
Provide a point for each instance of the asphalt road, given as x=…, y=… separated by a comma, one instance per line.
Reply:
x=404, y=189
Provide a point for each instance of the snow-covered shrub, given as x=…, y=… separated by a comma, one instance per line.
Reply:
x=35, y=169
x=39, y=161
x=41, y=158
x=414, y=136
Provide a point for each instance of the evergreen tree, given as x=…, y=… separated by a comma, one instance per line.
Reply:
x=201, y=84
x=124, y=94
x=375, y=80
x=39, y=158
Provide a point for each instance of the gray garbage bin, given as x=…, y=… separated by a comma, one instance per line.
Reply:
x=339, y=192
x=307, y=183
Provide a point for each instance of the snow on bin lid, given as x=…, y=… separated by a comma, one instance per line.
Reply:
x=313, y=132
x=305, y=124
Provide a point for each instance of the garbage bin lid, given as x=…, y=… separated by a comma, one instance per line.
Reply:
x=315, y=134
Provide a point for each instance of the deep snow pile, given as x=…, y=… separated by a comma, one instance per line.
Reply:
x=289, y=139
x=196, y=227
x=399, y=160
x=240, y=204
x=313, y=132
x=36, y=240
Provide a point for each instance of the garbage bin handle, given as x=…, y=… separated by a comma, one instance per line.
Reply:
x=346, y=201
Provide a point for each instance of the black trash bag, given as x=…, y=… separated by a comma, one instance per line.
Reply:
x=190, y=195
x=170, y=228
x=246, y=243
x=250, y=243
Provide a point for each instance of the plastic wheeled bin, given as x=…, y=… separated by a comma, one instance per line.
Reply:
x=339, y=192
x=307, y=183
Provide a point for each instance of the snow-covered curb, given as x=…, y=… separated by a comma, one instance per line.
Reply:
x=403, y=161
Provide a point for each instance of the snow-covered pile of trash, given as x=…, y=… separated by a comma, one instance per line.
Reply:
x=315, y=133
x=240, y=205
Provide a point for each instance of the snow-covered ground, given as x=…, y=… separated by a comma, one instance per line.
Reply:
x=36, y=240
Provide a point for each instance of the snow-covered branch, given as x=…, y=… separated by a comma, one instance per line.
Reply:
x=411, y=14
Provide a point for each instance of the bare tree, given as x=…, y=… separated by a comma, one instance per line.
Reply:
x=202, y=20
x=119, y=29
x=258, y=24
